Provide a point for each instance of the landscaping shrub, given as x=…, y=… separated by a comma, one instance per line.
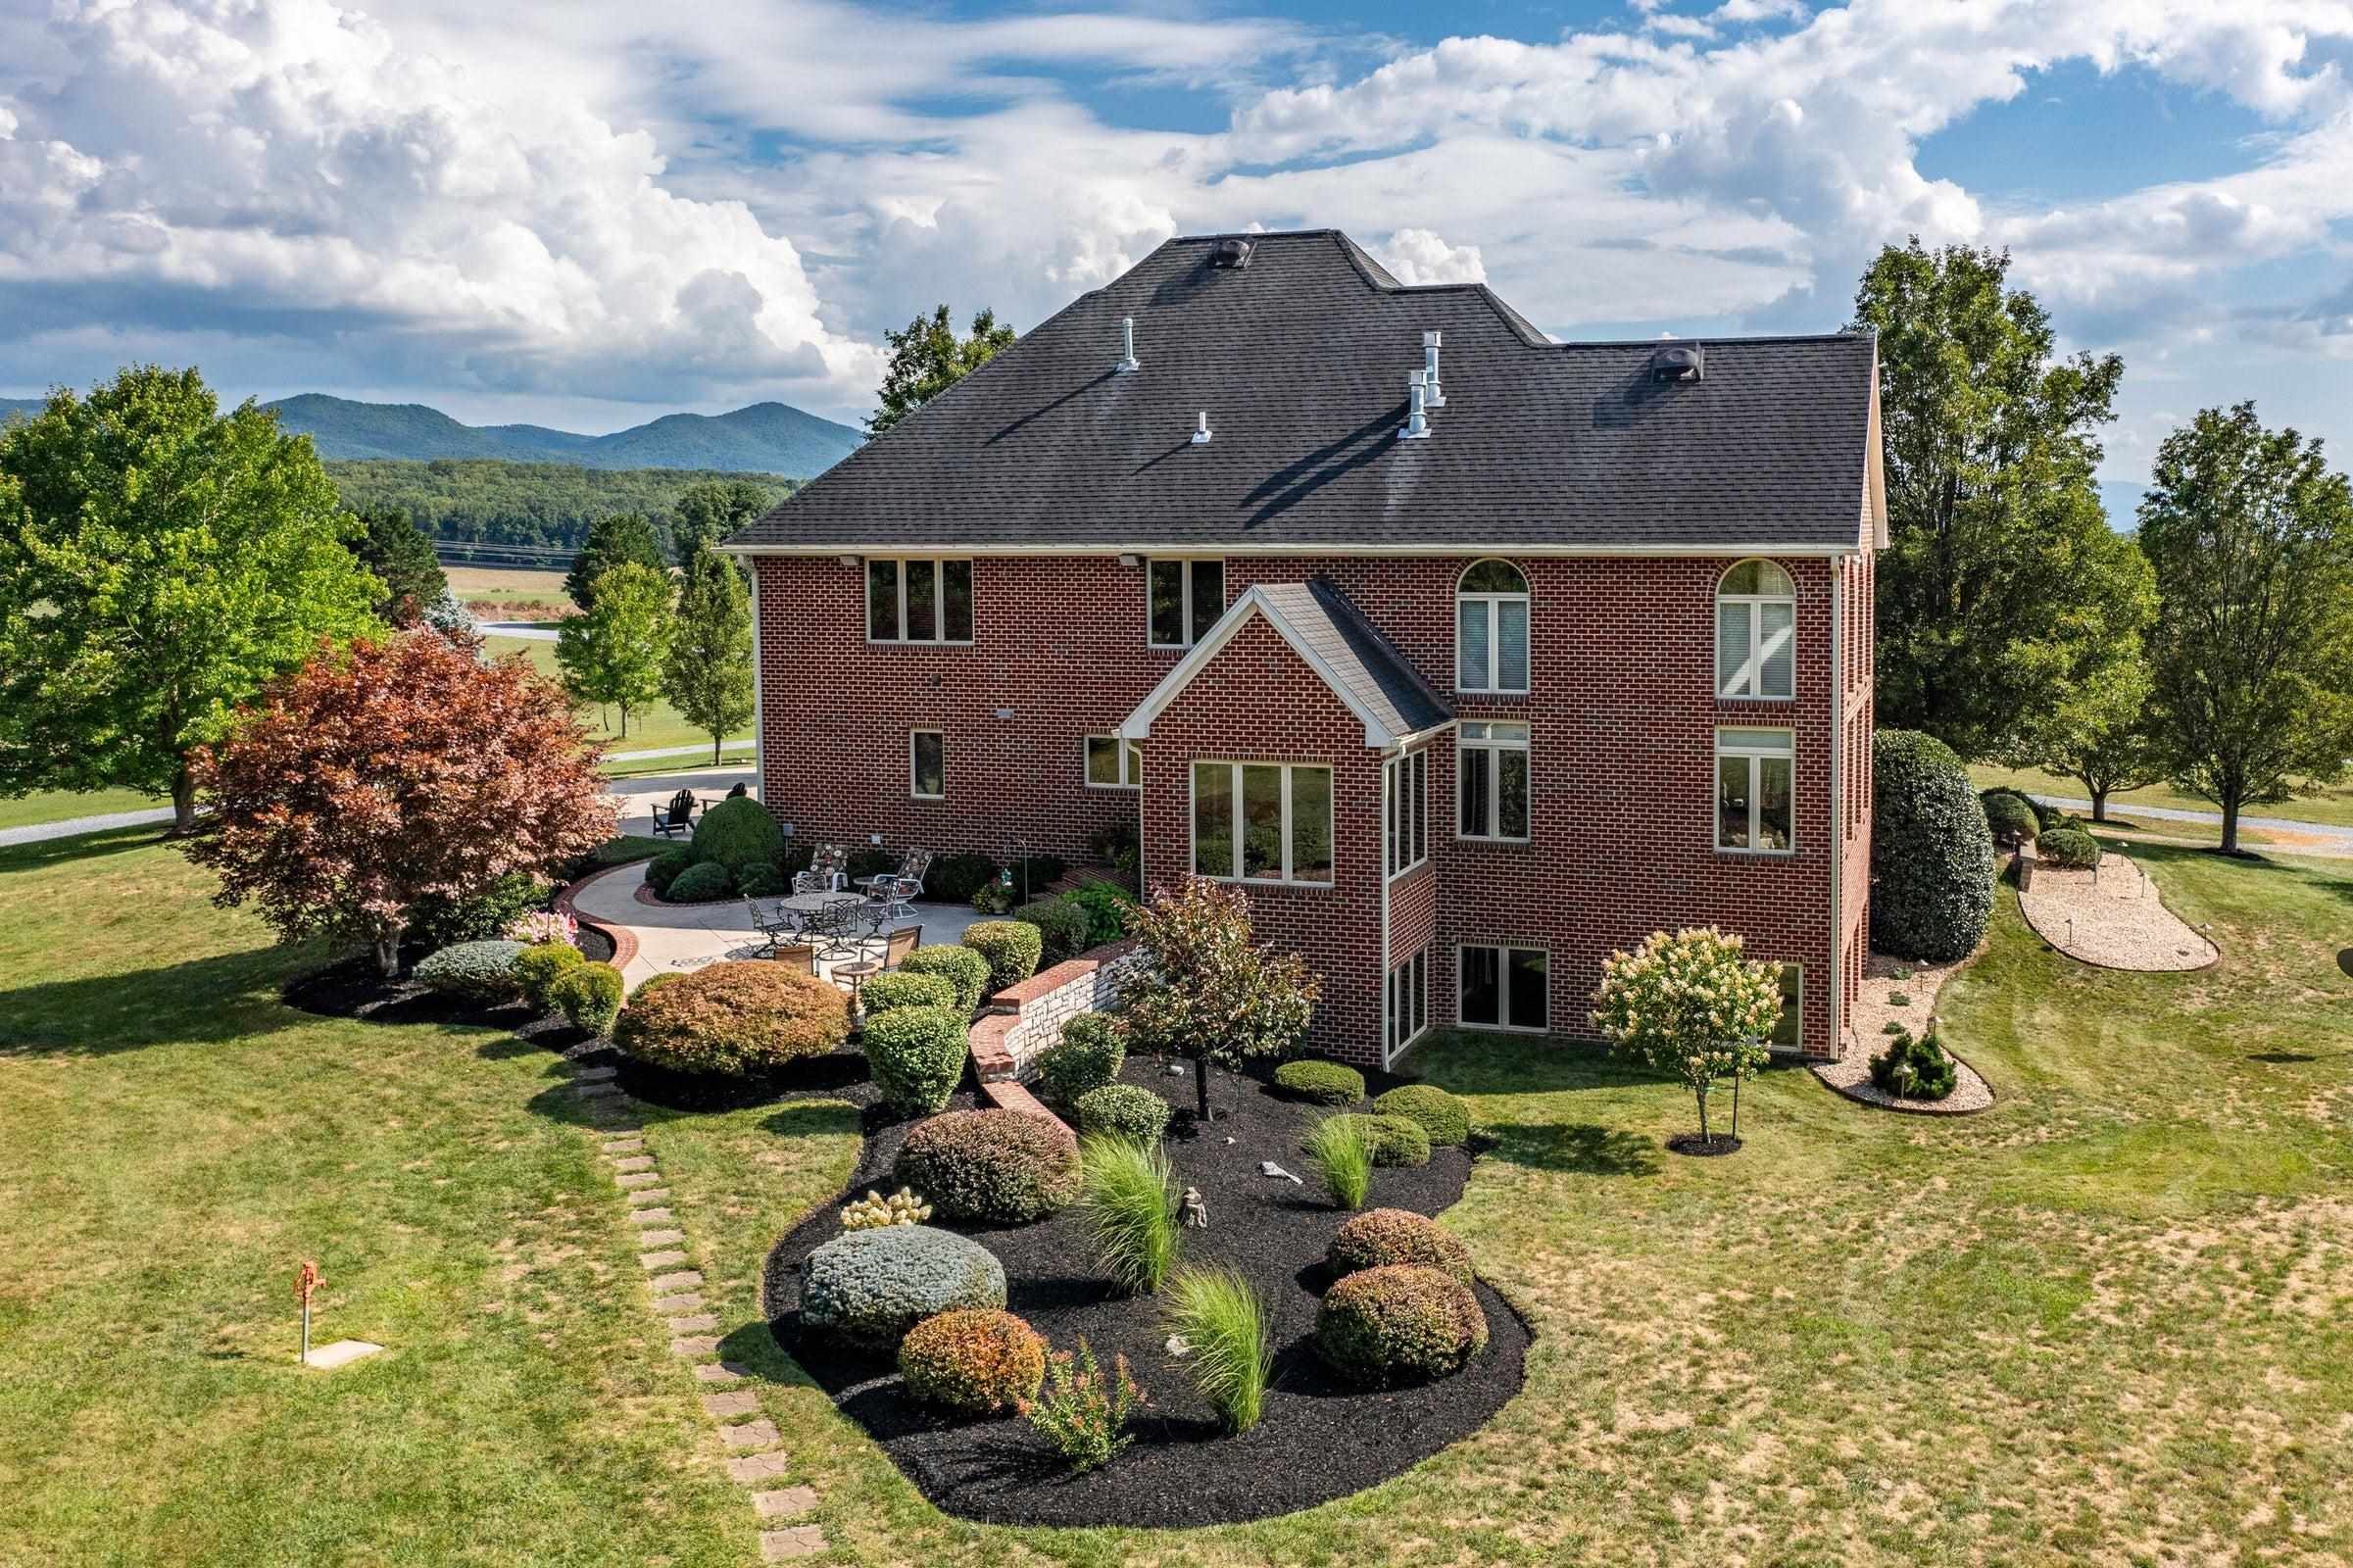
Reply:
x=438, y=921
x=1225, y=1324
x=1011, y=948
x=762, y=881
x=535, y=926
x=742, y=1018
x=1380, y=1237
x=1914, y=1069
x=701, y=883
x=1443, y=1116
x=1006, y=1168
x=796, y=856
x=1128, y=1201
x=479, y=971
x=1399, y=1323
x=736, y=833
x=873, y=1211
x=973, y=1360
x=1061, y=929
x=2010, y=815
x=1932, y=854
x=960, y=967
x=1108, y=912
x=1340, y=1151
x=954, y=878
x=590, y=996
x=2071, y=848
x=1091, y=1050
x=867, y=863
x=667, y=868
x=1323, y=1083
x=917, y=1057
x=1395, y=1139
x=1083, y=1410
x=653, y=982
x=866, y=1289
x=885, y=993
x=538, y=967
x=1127, y=1111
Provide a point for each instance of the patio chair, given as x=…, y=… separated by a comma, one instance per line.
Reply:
x=901, y=888
x=676, y=817
x=772, y=929
x=824, y=873
x=799, y=958
x=903, y=941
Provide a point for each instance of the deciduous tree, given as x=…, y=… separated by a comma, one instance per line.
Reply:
x=620, y=539
x=391, y=772
x=709, y=511
x=614, y=653
x=1208, y=992
x=1691, y=1004
x=708, y=673
x=401, y=557
x=927, y=357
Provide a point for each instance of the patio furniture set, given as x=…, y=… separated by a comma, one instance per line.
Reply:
x=825, y=920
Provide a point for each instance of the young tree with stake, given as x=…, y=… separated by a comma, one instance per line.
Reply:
x=1691, y=1005
x=1207, y=993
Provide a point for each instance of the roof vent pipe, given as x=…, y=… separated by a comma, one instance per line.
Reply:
x=1434, y=398
x=1127, y=346
x=1200, y=431
x=1417, y=422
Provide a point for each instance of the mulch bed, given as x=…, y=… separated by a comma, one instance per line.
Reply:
x=352, y=987
x=594, y=941
x=1320, y=1438
x=841, y=1074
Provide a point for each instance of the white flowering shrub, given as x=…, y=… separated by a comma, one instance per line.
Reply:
x=1689, y=1004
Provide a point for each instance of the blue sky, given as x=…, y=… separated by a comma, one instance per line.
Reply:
x=590, y=214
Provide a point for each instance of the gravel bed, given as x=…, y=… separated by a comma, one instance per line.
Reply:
x=2114, y=917
x=1873, y=1007
x=1851, y=1077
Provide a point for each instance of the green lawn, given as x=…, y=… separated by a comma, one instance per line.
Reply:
x=58, y=806
x=656, y=726
x=2107, y=1321
x=2330, y=804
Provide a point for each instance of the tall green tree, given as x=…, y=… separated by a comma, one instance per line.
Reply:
x=2002, y=589
x=927, y=357
x=614, y=653
x=620, y=539
x=2252, y=541
x=2101, y=736
x=707, y=673
x=709, y=511
x=159, y=562
x=402, y=558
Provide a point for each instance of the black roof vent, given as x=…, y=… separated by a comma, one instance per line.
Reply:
x=1679, y=361
x=1232, y=254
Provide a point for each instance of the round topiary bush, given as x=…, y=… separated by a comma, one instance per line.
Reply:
x=667, y=868
x=1914, y=1069
x=655, y=982
x=538, y=967
x=745, y=1017
x=917, y=1057
x=1062, y=928
x=1932, y=854
x=1380, y=1237
x=1322, y=1083
x=1011, y=948
x=1006, y=1167
x=973, y=1359
x=1091, y=1050
x=960, y=967
x=479, y=971
x=738, y=832
x=887, y=991
x=1399, y=1323
x=590, y=996
x=1443, y=1117
x=762, y=881
x=701, y=883
x=866, y=1288
x=2010, y=816
x=1129, y=1110
x=1396, y=1140
x=2070, y=848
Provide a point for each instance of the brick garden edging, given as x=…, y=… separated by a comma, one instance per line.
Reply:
x=625, y=940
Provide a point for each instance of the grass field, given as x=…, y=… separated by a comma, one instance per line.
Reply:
x=656, y=726
x=58, y=805
x=507, y=584
x=2106, y=1322
x=2328, y=805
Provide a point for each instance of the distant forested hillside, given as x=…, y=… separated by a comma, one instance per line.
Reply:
x=761, y=438
x=491, y=500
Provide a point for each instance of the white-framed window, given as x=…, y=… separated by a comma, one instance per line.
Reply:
x=1756, y=633
x=1755, y=776
x=1503, y=988
x=1490, y=628
x=1113, y=763
x=1182, y=600
x=1408, y=828
x=1406, y=1005
x=927, y=764
x=918, y=600
x=1262, y=823
x=1789, y=1033
x=1491, y=779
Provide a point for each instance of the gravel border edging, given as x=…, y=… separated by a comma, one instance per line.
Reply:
x=1864, y=1092
x=2163, y=903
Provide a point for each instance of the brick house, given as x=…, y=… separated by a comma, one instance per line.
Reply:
x=1473, y=655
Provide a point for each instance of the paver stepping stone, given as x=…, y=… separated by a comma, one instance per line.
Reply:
x=784, y=1504
x=683, y=1280
x=342, y=1353
x=653, y=1216
x=698, y=1345
x=595, y=1075
x=639, y=1178
x=634, y=1163
x=670, y=1305
x=750, y=1434
x=724, y=1372
x=783, y=1546
x=723, y=1406
x=598, y=1091
x=663, y=1260
x=753, y=1468
x=649, y=1195
x=670, y=1238
x=701, y=1323
x=626, y=1143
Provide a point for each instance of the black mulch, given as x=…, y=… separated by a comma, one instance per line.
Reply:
x=595, y=944
x=1319, y=1440
x=841, y=1074
x=1713, y=1145
x=353, y=988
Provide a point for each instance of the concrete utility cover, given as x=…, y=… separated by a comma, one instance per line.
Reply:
x=341, y=1353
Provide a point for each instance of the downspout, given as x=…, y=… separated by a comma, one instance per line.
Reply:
x=1838, y=807
x=759, y=712
x=1381, y=862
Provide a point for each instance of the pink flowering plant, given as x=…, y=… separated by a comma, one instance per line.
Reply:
x=1691, y=1005
x=1083, y=1410
x=542, y=925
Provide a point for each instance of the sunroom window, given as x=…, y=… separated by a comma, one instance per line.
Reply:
x=1262, y=823
x=1756, y=632
x=1490, y=628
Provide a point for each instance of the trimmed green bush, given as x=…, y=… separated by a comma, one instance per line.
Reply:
x=483, y=915
x=1380, y=1236
x=701, y=883
x=1006, y=1168
x=866, y=1289
x=762, y=881
x=1914, y=1069
x=1108, y=912
x=1443, y=1117
x=1091, y=1050
x=667, y=868
x=590, y=996
x=1932, y=854
x=1125, y=1110
x=959, y=966
x=2010, y=816
x=1320, y=1083
x=1396, y=1140
x=917, y=1057
x=2070, y=848
x=655, y=982
x=865, y=862
x=973, y=1360
x=954, y=878
x=540, y=966
x=1061, y=929
x=479, y=971
x=1011, y=948
x=738, y=832
x=885, y=993
x=742, y=1018
x=1399, y=1323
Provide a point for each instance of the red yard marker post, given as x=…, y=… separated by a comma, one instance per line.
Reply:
x=305, y=1283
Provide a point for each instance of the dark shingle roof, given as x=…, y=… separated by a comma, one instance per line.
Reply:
x=1300, y=360
x=1383, y=683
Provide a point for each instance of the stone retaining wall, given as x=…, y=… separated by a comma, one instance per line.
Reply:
x=1028, y=1018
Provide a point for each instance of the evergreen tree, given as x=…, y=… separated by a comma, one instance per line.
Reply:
x=614, y=653
x=620, y=539
x=927, y=357
x=402, y=558
x=708, y=675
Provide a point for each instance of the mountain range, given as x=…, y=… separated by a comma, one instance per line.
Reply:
x=760, y=438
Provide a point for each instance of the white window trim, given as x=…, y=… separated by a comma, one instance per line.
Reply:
x=1715, y=783
x=1494, y=641
x=1504, y=995
x=1795, y=1047
x=1184, y=599
x=1417, y=765
x=1389, y=1018
x=1495, y=805
x=939, y=604
x=1192, y=823
x=914, y=792
x=1753, y=673
x=1130, y=764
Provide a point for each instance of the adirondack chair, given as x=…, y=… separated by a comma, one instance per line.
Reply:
x=676, y=817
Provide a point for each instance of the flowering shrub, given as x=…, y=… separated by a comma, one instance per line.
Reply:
x=874, y=1212
x=1689, y=1004
x=975, y=1360
x=536, y=926
x=1083, y=1412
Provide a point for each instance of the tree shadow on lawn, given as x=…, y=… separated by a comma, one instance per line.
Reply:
x=79, y=847
x=230, y=996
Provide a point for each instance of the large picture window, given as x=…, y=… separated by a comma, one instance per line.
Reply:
x=1183, y=600
x=1755, y=771
x=1408, y=810
x=1504, y=988
x=919, y=601
x=1407, y=1004
x=1263, y=821
x=927, y=764
x=1490, y=628
x=1491, y=779
x=1114, y=764
x=1756, y=632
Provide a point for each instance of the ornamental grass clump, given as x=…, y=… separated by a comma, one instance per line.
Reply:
x=1691, y=1005
x=1226, y=1326
x=1340, y=1151
x=1128, y=1200
x=1084, y=1410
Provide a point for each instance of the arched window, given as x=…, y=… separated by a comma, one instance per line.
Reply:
x=1490, y=628
x=1756, y=632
